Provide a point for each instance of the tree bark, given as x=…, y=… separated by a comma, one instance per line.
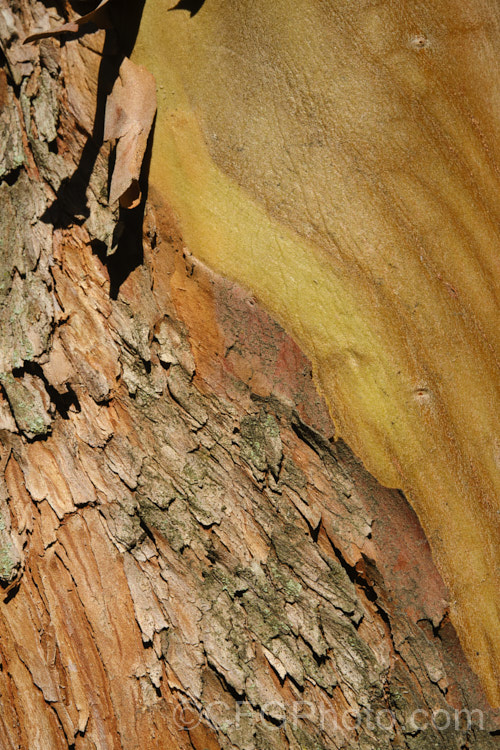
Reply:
x=188, y=557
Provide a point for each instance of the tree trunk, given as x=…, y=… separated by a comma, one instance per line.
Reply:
x=188, y=557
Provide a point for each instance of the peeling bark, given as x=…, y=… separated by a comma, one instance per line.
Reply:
x=189, y=559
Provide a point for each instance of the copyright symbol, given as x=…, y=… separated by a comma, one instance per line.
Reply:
x=186, y=718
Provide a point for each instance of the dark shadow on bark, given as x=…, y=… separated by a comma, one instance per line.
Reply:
x=127, y=240
x=70, y=205
x=193, y=6
x=63, y=401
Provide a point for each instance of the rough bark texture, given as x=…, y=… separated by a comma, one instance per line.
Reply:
x=188, y=558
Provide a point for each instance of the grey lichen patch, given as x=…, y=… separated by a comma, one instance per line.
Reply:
x=355, y=662
x=26, y=304
x=336, y=580
x=9, y=563
x=197, y=467
x=102, y=221
x=46, y=108
x=226, y=642
x=155, y=484
x=26, y=317
x=306, y=740
x=27, y=405
x=261, y=446
x=22, y=237
x=124, y=523
x=137, y=380
x=262, y=608
x=207, y=504
x=40, y=114
x=483, y=740
x=265, y=616
x=288, y=585
x=176, y=523
x=205, y=495
x=124, y=459
x=10, y=556
x=321, y=674
x=182, y=391
x=304, y=620
x=429, y=739
x=326, y=576
x=11, y=137
x=133, y=328
x=284, y=650
x=292, y=476
x=220, y=579
x=173, y=345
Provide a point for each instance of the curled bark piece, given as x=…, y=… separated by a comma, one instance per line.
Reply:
x=130, y=112
x=70, y=27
